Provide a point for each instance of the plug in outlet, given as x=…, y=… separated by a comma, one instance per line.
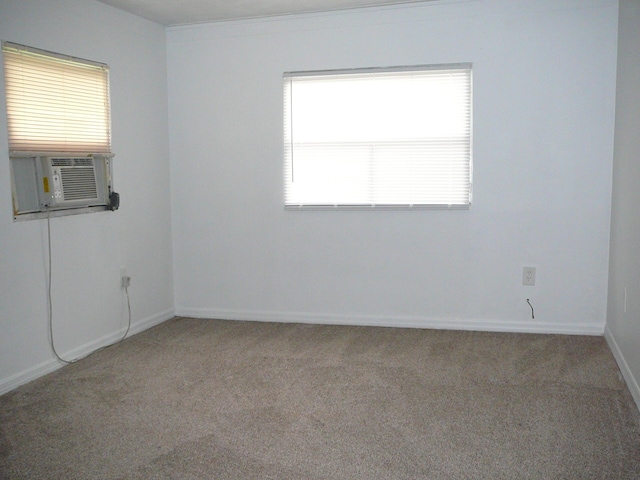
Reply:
x=125, y=280
x=528, y=276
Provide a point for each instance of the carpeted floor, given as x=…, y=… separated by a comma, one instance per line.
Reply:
x=208, y=399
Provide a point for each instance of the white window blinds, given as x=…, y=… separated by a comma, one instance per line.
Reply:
x=379, y=138
x=55, y=103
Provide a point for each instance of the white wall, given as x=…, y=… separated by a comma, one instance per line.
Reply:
x=88, y=250
x=623, y=318
x=544, y=91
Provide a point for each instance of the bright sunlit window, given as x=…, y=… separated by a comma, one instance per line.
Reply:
x=55, y=103
x=378, y=138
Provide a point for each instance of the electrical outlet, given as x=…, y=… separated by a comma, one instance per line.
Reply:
x=529, y=276
x=125, y=280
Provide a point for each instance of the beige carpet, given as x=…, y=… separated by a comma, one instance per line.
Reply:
x=207, y=399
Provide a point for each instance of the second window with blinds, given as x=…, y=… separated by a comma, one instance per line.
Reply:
x=394, y=138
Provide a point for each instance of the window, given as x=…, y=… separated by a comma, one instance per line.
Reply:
x=378, y=138
x=59, y=131
x=55, y=103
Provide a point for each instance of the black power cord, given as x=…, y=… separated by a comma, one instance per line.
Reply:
x=532, y=315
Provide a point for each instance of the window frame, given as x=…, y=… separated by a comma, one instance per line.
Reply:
x=39, y=95
x=289, y=78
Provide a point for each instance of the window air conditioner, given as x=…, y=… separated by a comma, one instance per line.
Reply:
x=71, y=182
x=61, y=182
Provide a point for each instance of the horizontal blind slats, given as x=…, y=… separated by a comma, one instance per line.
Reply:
x=56, y=104
x=396, y=138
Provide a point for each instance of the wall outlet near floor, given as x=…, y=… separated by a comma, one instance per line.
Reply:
x=125, y=280
x=529, y=276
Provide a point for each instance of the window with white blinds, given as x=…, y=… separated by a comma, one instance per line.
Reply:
x=379, y=138
x=55, y=103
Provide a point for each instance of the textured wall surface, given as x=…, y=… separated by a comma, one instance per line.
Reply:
x=544, y=93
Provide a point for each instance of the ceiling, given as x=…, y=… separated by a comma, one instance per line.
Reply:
x=182, y=12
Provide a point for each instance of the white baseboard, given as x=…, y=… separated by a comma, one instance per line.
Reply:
x=632, y=382
x=396, y=321
x=48, y=366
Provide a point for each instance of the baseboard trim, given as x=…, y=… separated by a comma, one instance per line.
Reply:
x=632, y=383
x=396, y=321
x=48, y=366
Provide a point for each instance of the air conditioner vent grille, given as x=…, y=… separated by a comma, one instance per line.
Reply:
x=83, y=162
x=79, y=183
x=70, y=162
x=62, y=162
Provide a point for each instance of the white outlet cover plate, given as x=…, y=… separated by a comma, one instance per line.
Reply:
x=529, y=276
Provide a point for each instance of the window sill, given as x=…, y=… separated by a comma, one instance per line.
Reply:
x=377, y=207
x=59, y=213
